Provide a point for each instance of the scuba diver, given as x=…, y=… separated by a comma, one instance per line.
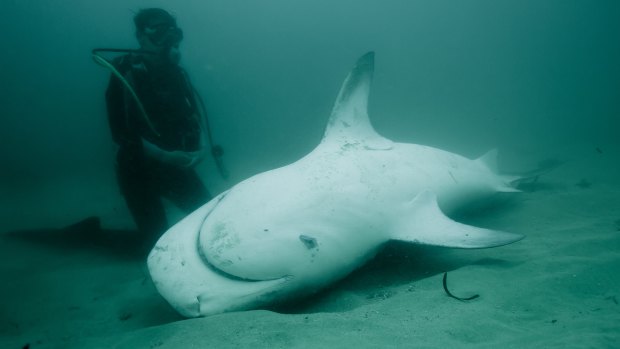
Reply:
x=157, y=124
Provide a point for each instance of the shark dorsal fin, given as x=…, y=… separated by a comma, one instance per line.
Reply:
x=349, y=122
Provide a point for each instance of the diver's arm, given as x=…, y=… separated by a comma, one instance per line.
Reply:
x=199, y=112
x=181, y=158
x=176, y=158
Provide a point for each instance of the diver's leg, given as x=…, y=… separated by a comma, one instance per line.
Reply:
x=185, y=189
x=143, y=200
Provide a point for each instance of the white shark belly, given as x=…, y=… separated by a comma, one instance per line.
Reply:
x=399, y=174
x=311, y=216
x=309, y=228
x=293, y=230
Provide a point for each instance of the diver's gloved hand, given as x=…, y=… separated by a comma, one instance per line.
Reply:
x=176, y=157
x=196, y=157
x=184, y=159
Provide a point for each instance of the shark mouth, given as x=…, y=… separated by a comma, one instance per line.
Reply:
x=205, y=258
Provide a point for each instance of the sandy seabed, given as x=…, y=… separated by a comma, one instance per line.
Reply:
x=557, y=288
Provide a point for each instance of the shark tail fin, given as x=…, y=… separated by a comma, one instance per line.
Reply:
x=514, y=182
x=507, y=183
x=528, y=178
x=424, y=223
x=489, y=160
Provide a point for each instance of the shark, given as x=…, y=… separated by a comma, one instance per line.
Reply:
x=289, y=232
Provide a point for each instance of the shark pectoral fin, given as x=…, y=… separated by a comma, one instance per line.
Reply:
x=424, y=223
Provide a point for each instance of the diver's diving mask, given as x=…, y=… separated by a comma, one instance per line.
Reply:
x=164, y=34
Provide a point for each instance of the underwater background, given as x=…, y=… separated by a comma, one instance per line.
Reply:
x=466, y=76
x=539, y=80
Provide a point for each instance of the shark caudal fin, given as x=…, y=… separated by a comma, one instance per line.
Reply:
x=505, y=182
x=424, y=223
x=515, y=182
x=349, y=122
x=489, y=159
x=527, y=180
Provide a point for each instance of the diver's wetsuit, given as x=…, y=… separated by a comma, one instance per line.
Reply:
x=170, y=105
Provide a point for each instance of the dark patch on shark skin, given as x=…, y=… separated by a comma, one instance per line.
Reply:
x=308, y=241
x=453, y=178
